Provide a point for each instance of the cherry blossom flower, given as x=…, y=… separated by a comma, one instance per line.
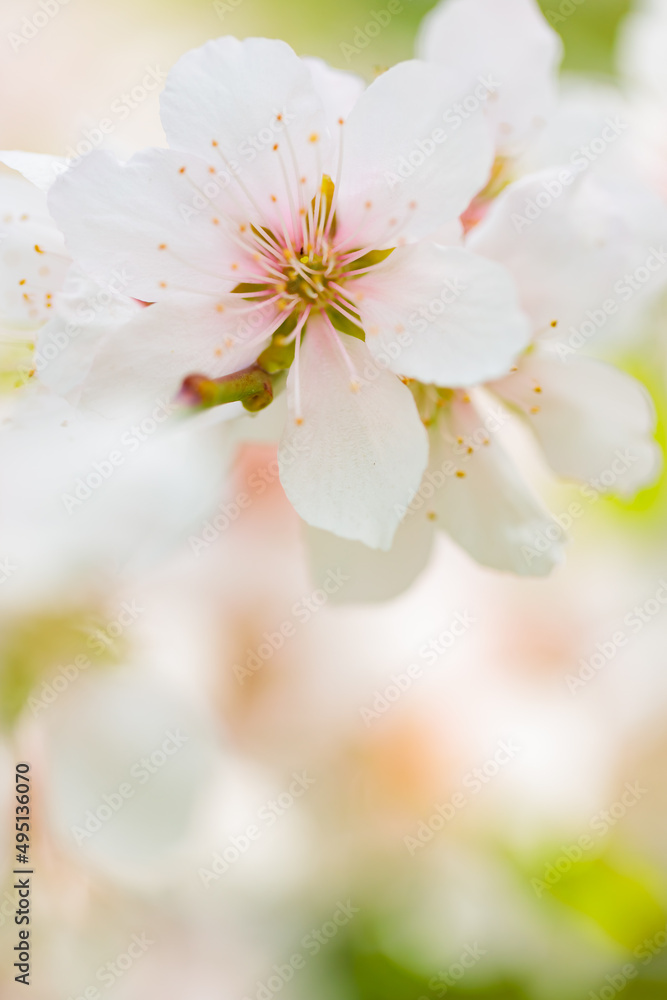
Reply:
x=579, y=125
x=275, y=231
x=592, y=423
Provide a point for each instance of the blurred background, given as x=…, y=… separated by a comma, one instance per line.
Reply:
x=245, y=788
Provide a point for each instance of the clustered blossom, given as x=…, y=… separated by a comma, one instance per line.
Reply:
x=356, y=251
x=302, y=259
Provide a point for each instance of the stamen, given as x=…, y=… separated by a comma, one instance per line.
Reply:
x=237, y=179
x=296, y=218
x=254, y=306
x=339, y=172
x=299, y=187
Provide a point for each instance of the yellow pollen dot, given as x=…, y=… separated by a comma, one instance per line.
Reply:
x=162, y=246
x=275, y=146
x=235, y=267
x=515, y=369
x=298, y=421
x=242, y=228
x=214, y=142
x=211, y=170
x=470, y=450
x=466, y=399
x=22, y=281
x=431, y=515
x=163, y=284
x=26, y=297
x=279, y=118
x=459, y=440
x=218, y=352
x=369, y=204
x=273, y=198
x=181, y=170
x=48, y=295
x=303, y=180
x=302, y=211
x=216, y=222
x=257, y=256
x=554, y=322
x=38, y=248
x=49, y=305
x=220, y=308
x=534, y=409
x=354, y=386
x=229, y=342
x=538, y=388
x=341, y=121
x=313, y=137
x=460, y=474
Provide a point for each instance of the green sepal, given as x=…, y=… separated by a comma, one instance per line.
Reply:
x=278, y=356
x=369, y=259
x=345, y=325
x=246, y=287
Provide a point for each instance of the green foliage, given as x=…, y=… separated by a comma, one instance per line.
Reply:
x=588, y=29
x=622, y=905
x=32, y=649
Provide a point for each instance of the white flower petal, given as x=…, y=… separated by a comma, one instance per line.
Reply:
x=338, y=91
x=411, y=163
x=33, y=260
x=125, y=359
x=572, y=247
x=442, y=315
x=247, y=97
x=590, y=129
x=483, y=503
x=149, y=221
x=373, y=575
x=641, y=48
x=83, y=499
x=85, y=315
x=41, y=169
x=358, y=456
x=510, y=42
x=594, y=422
